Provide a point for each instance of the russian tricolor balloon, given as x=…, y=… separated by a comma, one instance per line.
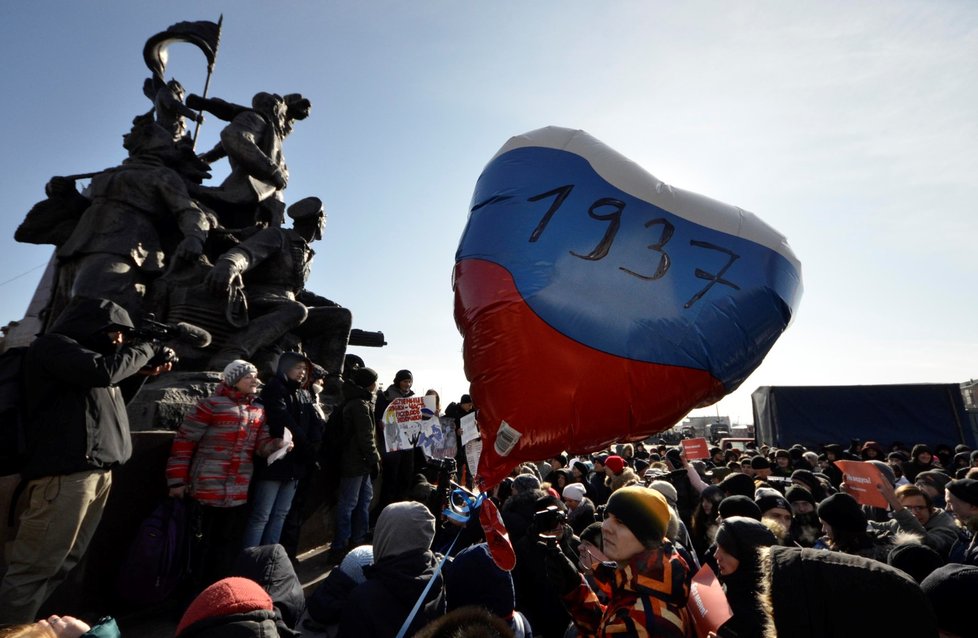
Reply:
x=598, y=304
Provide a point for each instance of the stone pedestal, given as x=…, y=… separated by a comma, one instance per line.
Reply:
x=164, y=400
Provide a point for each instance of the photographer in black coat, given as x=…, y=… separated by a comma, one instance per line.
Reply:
x=79, y=377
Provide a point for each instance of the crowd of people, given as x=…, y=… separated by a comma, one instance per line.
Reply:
x=606, y=543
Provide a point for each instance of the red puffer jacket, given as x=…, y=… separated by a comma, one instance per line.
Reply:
x=214, y=448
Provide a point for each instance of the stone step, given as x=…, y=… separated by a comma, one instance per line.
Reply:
x=313, y=567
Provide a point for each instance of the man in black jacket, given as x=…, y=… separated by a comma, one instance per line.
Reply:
x=79, y=377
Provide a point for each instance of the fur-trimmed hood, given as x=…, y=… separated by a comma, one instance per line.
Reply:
x=809, y=593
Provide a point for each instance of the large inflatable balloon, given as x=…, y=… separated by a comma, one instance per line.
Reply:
x=598, y=304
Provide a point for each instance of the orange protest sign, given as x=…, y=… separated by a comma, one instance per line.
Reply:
x=696, y=449
x=861, y=479
x=707, y=603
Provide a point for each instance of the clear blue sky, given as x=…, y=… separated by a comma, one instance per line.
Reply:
x=849, y=127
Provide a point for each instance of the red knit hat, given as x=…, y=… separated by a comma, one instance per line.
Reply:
x=615, y=463
x=233, y=595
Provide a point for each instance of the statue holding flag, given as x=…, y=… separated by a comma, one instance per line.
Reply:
x=148, y=233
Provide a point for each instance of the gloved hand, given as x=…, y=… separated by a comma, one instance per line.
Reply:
x=218, y=280
x=560, y=570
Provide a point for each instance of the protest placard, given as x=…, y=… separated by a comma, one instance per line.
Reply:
x=707, y=603
x=408, y=423
x=470, y=429
x=861, y=479
x=696, y=449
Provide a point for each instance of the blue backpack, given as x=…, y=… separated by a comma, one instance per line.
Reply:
x=159, y=557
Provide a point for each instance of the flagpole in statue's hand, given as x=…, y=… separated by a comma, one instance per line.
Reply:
x=207, y=82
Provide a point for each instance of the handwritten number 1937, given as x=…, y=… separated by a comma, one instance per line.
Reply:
x=613, y=217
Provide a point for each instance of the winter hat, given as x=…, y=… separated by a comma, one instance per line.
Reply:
x=237, y=370
x=915, y=559
x=951, y=591
x=760, y=463
x=402, y=375
x=885, y=470
x=364, y=377
x=355, y=560
x=288, y=360
x=898, y=455
x=601, y=458
x=807, y=479
x=872, y=445
x=640, y=465
x=403, y=527
x=797, y=493
x=525, y=483
x=473, y=578
x=937, y=480
x=712, y=493
x=919, y=449
x=738, y=484
x=667, y=489
x=843, y=513
x=233, y=595
x=771, y=501
x=581, y=467
x=466, y=398
x=643, y=511
x=738, y=505
x=740, y=536
x=574, y=491
x=782, y=454
x=615, y=463
x=965, y=489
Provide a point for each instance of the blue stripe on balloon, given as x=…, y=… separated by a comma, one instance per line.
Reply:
x=678, y=319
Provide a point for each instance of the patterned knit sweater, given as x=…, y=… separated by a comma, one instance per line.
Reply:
x=214, y=448
x=646, y=598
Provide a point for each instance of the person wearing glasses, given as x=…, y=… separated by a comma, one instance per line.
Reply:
x=913, y=511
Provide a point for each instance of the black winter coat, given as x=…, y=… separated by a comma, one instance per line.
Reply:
x=286, y=407
x=537, y=595
x=819, y=594
x=378, y=607
x=78, y=385
x=360, y=455
x=270, y=567
x=250, y=624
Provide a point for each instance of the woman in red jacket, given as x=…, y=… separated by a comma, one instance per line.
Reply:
x=211, y=461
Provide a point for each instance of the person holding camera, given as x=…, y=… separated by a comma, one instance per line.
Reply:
x=536, y=594
x=79, y=377
x=647, y=585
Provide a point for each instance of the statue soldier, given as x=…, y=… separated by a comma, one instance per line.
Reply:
x=170, y=109
x=140, y=213
x=252, y=142
x=274, y=264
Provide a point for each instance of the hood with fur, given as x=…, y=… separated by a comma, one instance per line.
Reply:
x=809, y=593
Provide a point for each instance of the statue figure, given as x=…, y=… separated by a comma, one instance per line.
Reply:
x=169, y=108
x=252, y=193
x=140, y=214
x=274, y=264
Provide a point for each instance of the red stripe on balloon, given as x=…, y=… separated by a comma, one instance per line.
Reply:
x=559, y=393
